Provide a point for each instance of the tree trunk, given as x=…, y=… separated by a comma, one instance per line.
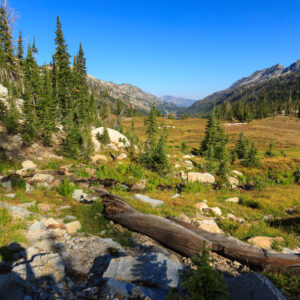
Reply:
x=186, y=239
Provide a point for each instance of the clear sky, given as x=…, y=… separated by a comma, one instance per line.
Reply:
x=183, y=48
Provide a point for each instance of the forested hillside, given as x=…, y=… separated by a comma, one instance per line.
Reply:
x=244, y=102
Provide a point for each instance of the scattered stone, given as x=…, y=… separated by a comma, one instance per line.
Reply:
x=10, y=195
x=233, y=200
x=185, y=218
x=73, y=227
x=236, y=219
x=200, y=177
x=41, y=265
x=82, y=197
x=187, y=156
x=121, y=156
x=264, y=241
x=201, y=206
x=117, y=289
x=97, y=157
x=49, y=221
x=252, y=286
x=28, y=164
x=45, y=207
x=150, y=269
x=37, y=226
x=17, y=211
x=235, y=172
x=91, y=172
x=42, y=178
x=234, y=182
x=175, y=196
x=146, y=199
x=188, y=163
x=208, y=225
x=177, y=166
x=139, y=187
x=69, y=218
x=7, y=185
x=27, y=205
x=3, y=91
x=216, y=210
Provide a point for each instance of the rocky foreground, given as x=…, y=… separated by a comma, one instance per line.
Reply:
x=60, y=263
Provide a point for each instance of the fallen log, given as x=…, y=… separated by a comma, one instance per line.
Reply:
x=165, y=231
x=186, y=239
x=253, y=256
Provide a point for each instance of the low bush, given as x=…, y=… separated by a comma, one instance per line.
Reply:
x=66, y=188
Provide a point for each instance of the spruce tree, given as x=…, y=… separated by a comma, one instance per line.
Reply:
x=251, y=159
x=20, y=50
x=34, y=48
x=46, y=111
x=6, y=36
x=241, y=147
x=269, y=152
x=31, y=95
x=11, y=119
x=62, y=74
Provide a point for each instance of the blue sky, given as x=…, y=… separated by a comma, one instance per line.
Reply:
x=183, y=48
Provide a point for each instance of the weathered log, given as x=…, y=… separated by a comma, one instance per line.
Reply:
x=245, y=253
x=166, y=232
x=181, y=237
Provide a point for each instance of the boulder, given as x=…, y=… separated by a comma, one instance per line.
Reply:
x=82, y=197
x=208, y=225
x=98, y=157
x=116, y=138
x=234, y=218
x=73, y=227
x=234, y=182
x=233, y=200
x=141, y=186
x=41, y=265
x=237, y=173
x=3, y=91
x=216, y=210
x=146, y=199
x=122, y=156
x=265, y=242
x=42, y=178
x=201, y=205
x=200, y=177
x=252, y=286
x=28, y=164
x=116, y=289
x=149, y=269
x=7, y=185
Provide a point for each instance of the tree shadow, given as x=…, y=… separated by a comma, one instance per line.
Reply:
x=16, y=285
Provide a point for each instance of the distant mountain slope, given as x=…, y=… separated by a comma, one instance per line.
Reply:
x=130, y=94
x=245, y=87
x=179, y=101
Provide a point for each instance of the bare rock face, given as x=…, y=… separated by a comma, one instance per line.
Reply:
x=151, y=269
x=253, y=286
x=116, y=138
x=200, y=177
x=265, y=242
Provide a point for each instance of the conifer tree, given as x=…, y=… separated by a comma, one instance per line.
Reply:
x=46, y=109
x=62, y=73
x=251, y=159
x=241, y=147
x=20, y=50
x=213, y=146
x=152, y=128
x=269, y=152
x=31, y=95
x=34, y=48
x=12, y=118
x=6, y=36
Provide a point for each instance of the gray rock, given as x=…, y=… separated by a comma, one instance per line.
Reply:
x=50, y=265
x=69, y=218
x=11, y=286
x=80, y=196
x=37, y=226
x=7, y=185
x=18, y=211
x=132, y=291
x=146, y=199
x=150, y=269
x=253, y=286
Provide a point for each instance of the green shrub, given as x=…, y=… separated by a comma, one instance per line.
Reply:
x=104, y=137
x=66, y=188
x=202, y=283
x=136, y=170
x=18, y=183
